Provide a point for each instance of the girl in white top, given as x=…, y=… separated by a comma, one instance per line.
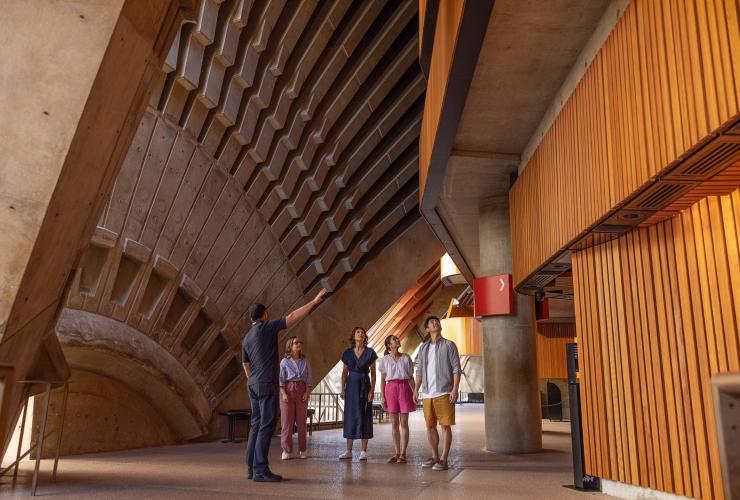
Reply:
x=396, y=383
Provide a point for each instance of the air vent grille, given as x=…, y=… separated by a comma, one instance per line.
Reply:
x=709, y=160
x=659, y=195
x=711, y=168
x=556, y=268
x=541, y=279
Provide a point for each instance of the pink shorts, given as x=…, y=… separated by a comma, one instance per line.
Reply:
x=398, y=397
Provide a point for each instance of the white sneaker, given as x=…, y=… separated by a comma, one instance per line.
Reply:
x=440, y=465
x=346, y=455
x=285, y=455
x=363, y=455
x=302, y=454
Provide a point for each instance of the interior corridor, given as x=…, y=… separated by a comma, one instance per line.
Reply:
x=211, y=470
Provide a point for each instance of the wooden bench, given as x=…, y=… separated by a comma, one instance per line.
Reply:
x=378, y=412
x=475, y=397
x=311, y=412
x=233, y=416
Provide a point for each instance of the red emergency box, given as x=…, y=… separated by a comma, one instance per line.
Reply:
x=494, y=296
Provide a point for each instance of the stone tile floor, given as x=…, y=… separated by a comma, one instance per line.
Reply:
x=211, y=470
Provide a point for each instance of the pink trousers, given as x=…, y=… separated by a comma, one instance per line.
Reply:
x=293, y=411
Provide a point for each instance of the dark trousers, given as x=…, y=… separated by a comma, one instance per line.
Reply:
x=264, y=414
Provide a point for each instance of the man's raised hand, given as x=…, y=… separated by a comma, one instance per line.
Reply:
x=319, y=297
x=303, y=311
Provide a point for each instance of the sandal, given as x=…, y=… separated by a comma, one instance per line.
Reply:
x=392, y=460
x=401, y=459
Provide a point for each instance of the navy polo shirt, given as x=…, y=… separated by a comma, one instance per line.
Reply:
x=259, y=348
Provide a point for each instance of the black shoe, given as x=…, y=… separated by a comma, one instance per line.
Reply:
x=250, y=475
x=267, y=477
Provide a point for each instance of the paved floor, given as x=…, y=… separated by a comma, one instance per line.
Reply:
x=210, y=470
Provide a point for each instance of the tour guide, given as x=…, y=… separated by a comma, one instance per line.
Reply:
x=260, y=361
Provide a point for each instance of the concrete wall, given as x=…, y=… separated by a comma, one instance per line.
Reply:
x=103, y=414
x=61, y=144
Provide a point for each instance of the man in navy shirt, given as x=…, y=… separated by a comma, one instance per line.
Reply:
x=260, y=362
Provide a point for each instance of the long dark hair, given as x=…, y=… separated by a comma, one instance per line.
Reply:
x=388, y=340
x=352, y=337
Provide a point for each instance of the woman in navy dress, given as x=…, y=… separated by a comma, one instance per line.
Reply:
x=358, y=389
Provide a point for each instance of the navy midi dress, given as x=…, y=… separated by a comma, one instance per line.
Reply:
x=358, y=413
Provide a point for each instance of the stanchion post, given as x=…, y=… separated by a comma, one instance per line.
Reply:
x=61, y=428
x=20, y=441
x=40, y=444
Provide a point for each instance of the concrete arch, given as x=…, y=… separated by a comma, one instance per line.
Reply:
x=97, y=344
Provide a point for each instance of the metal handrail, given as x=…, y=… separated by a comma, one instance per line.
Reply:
x=328, y=407
x=42, y=434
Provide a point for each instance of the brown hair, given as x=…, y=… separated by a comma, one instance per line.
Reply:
x=388, y=340
x=352, y=337
x=289, y=346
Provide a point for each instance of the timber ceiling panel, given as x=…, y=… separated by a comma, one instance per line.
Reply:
x=277, y=156
x=402, y=317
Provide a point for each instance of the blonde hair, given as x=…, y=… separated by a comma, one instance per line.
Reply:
x=289, y=346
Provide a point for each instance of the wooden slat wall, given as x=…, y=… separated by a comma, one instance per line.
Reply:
x=407, y=311
x=551, y=340
x=665, y=78
x=445, y=37
x=656, y=315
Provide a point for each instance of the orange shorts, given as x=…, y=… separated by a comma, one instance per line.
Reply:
x=440, y=410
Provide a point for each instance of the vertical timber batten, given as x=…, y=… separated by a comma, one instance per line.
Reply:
x=676, y=326
x=664, y=82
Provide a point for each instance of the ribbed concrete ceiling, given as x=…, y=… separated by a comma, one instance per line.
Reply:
x=278, y=155
x=313, y=109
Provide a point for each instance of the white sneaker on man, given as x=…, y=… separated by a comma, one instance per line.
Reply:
x=302, y=454
x=346, y=455
x=363, y=455
x=285, y=456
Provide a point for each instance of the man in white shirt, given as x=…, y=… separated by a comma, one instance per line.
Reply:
x=438, y=378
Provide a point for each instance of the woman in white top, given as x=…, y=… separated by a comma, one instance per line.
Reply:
x=396, y=383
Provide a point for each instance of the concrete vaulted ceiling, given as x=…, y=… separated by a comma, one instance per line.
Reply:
x=308, y=110
x=278, y=155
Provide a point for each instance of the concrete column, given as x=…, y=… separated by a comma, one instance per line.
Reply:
x=512, y=408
